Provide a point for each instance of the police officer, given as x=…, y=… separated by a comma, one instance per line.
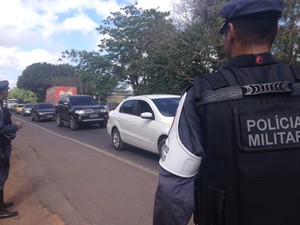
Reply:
x=234, y=146
x=7, y=134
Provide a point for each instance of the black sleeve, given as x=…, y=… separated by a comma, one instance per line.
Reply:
x=174, y=200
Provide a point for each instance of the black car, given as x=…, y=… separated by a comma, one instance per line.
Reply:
x=43, y=111
x=78, y=110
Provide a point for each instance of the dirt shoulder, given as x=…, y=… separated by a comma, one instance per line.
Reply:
x=19, y=190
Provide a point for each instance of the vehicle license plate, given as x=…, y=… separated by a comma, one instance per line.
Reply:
x=49, y=116
x=93, y=115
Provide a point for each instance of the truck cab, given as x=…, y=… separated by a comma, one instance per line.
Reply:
x=11, y=103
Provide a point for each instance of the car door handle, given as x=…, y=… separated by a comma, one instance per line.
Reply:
x=133, y=123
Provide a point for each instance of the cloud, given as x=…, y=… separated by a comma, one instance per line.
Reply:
x=25, y=58
x=80, y=22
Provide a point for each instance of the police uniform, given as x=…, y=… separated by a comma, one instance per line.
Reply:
x=236, y=135
x=7, y=134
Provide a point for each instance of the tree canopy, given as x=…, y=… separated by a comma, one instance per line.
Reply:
x=94, y=73
x=131, y=35
x=40, y=76
x=22, y=95
x=287, y=45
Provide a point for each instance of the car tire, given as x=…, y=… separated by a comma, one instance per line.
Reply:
x=161, y=144
x=73, y=124
x=59, y=123
x=117, y=140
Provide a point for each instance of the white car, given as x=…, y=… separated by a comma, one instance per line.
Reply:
x=143, y=121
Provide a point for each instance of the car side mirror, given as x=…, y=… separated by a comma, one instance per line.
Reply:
x=147, y=115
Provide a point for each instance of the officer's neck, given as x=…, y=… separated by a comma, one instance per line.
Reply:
x=253, y=49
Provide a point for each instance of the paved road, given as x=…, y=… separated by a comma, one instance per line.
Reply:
x=79, y=176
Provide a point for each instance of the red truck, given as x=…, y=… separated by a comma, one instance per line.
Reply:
x=53, y=93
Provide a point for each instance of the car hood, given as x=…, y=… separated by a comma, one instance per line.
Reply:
x=76, y=107
x=46, y=110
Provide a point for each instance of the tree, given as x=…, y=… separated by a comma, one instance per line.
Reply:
x=93, y=72
x=193, y=49
x=200, y=40
x=23, y=95
x=132, y=34
x=40, y=76
x=287, y=45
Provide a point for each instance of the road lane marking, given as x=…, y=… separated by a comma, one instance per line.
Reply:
x=95, y=149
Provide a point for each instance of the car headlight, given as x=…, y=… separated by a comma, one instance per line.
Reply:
x=79, y=112
x=40, y=113
x=103, y=110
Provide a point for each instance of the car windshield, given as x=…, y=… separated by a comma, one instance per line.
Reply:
x=82, y=100
x=167, y=106
x=46, y=106
x=10, y=101
x=28, y=106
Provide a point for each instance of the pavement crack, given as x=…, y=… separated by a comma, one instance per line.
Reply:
x=33, y=148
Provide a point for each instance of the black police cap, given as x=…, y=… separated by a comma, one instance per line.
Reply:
x=250, y=9
x=4, y=85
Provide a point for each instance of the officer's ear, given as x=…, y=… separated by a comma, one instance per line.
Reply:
x=230, y=27
x=230, y=31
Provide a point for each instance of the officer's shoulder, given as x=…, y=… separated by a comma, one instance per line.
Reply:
x=210, y=79
x=214, y=79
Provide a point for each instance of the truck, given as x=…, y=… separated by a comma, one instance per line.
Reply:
x=53, y=93
x=11, y=103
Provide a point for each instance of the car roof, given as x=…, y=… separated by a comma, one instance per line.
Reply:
x=41, y=103
x=154, y=96
x=74, y=96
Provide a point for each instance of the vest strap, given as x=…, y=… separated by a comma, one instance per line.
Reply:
x=236, y=92
x=197, y=89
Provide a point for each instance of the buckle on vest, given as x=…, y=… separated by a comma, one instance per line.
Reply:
x=266, y=88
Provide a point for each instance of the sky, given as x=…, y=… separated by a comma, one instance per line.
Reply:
x=34, y=31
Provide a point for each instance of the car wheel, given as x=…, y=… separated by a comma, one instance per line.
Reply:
x=73, y=124
x=59, y=123
x=117, y=140
x=161, y=144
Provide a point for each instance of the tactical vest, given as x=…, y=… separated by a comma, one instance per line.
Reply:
x=250, y=173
